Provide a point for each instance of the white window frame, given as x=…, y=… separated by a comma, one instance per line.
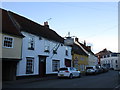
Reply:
x=4, y=42
x=67, y=51
x=46, y=46
x=31, y=41
x=55, y=65
x=28, y=65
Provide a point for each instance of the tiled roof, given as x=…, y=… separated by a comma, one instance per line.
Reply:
x=35, y=28
x=78, y=50
x=86, y=48
x=8, y=26
x=103, y=52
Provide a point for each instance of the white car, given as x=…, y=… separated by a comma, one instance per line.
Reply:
x=69, y=72
x=91, y=70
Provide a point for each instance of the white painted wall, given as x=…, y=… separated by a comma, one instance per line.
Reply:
x=112, y=61
x=39, y=50
x=92, y=60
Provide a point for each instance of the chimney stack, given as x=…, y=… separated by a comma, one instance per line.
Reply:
x=76, y=39
x=46, y=24
x=84, y=42
x=89, y=47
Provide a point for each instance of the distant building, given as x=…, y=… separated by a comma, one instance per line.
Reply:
x=83, y=55
x=92, y=59
x=111, y=61
x=102, y=53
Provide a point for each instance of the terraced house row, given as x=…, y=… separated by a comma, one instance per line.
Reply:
x=33, y=50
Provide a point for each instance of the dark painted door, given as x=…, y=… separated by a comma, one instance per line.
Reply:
x=9, y=70
x=67, y=63
x=42, y=66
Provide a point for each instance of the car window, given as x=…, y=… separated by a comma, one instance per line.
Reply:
x=71, y=68
x=74, y=69
x=63, y=69
x=89, y=67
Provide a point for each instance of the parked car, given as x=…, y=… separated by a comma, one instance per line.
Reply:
x=91, y=70
x=99, y=69
x=105, y=69
x=69, y=72
x=119, y=73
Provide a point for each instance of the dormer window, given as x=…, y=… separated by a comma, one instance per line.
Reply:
x=31, y=43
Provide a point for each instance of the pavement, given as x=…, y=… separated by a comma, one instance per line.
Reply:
x=29, y=80
x=49, y=77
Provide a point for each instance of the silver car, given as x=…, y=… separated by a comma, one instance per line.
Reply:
x=91, y=70
x=69, y=72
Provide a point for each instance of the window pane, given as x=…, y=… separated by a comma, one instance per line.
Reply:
x=8, y=42
x=56, y=65
x=31, y=43
x=29, y=65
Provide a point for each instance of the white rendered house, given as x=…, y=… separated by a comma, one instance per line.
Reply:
x=43, y=50
x=92, y=60
x=41, y=58
x=111, y=61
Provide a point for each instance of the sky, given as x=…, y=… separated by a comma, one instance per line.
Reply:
x=94, y=22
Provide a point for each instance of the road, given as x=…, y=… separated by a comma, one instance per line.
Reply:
x=104, y=80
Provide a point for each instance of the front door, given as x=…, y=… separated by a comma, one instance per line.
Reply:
x=67, y=63
x=42, y=66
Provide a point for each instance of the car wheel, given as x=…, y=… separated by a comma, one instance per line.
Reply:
x=71, y=76
x=94, y=73
x=59, y=77
x=79, y=75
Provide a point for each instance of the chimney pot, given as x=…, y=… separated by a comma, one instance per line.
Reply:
x=76, y=39
x=84, y=42
x=46, y=24
x=89, y=47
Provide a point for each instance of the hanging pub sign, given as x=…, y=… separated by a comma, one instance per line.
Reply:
x=68, y=41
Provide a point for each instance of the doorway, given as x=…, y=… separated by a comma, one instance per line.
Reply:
x=42, y=66
x=67, y=63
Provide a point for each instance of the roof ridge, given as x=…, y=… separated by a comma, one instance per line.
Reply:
x=36, y=28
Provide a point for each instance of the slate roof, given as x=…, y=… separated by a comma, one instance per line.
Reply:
x=86, y=48
x=78, y=50
x=32, y=27
x=8, y=26
x=103, y=52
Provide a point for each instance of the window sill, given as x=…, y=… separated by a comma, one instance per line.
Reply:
x=30, y=48
x=47, y=51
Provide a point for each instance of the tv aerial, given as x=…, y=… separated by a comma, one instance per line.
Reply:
x=49, y=19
